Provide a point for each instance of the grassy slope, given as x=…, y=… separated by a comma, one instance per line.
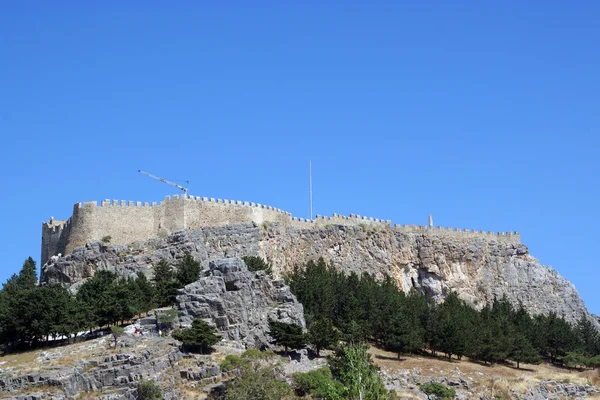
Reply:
x=501, y=378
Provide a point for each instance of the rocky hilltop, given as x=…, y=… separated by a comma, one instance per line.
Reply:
x=478, y=268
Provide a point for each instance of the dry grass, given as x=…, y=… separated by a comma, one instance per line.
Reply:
x=499, y=378
x=17, y=359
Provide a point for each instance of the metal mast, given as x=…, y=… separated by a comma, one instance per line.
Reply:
x=310, y=187
x=184, y=189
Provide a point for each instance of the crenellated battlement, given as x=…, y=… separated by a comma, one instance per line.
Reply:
x=127, y=221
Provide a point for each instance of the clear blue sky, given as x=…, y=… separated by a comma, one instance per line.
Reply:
x=484, y=114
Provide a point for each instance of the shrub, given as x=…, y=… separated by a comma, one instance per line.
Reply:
x=439, y=391
x=148, y=390
x=255, y=263
x=260, y=384
x=232, y=362
x=106, y=239
x=166, y=318
x=319, y=384
x=245, y=360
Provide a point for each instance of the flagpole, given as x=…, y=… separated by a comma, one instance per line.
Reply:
x=310, y=187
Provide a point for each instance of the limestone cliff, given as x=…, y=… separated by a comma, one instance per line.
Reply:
x=239, y=302
x=476, y=267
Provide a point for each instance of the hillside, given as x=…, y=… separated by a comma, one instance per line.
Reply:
x=477, y=267
x=95, y=369
x=474, y=380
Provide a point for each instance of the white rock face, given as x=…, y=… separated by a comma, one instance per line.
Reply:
x=239, y=303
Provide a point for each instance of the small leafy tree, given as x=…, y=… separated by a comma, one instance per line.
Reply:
x=358, y=374
x=117, y=332
x=199, y=338
x=287, y=335
x=166, y=318
x=149, y=390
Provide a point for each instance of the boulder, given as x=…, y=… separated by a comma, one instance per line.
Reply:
x=239, y=303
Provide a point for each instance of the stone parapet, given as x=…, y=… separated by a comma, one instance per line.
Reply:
x=128, y=221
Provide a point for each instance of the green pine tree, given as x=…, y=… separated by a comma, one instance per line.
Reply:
x=187, y=270
x=287, y=335
x=322, y=335
x=165, y=285
x=199, y=338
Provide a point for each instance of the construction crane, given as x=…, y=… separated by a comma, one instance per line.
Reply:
x=184, y=189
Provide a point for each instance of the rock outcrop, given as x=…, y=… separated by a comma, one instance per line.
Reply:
x=478, y=268
x=112, y=376
x=239, y=302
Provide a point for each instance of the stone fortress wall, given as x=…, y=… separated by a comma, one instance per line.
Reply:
x=128, y=221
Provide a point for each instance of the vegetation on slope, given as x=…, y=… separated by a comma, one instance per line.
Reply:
x=364, y=308
x=30, y=314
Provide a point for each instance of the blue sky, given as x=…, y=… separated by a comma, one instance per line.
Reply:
x=484, y=114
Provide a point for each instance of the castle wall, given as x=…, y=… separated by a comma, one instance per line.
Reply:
x=54, y=237
x=128, y=221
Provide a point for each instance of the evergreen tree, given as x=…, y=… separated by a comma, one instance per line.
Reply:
x=199, y=338
x=522, y=351
x=588, y=337
x=322, y=335
x=165, y=286
x=354, y=332
x=287, y=335
x=490, y=344
x=27, y=278
x=99, y=298
x=188, y=270
x=559, y=335
x=144, y=293
x=403, y=335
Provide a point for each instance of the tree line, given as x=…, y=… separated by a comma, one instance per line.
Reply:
x=31, y=313
x=362, y=308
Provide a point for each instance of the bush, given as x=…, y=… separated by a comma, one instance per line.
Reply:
x=106, y=239
x=439, y=391
x=257, y=264
x=261, y=384
x=319, y=384
x=245, y=360
x=148, y=390
x=166, y=318
x=232, y=362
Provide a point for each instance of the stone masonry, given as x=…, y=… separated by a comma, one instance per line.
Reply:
x=125, y=222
